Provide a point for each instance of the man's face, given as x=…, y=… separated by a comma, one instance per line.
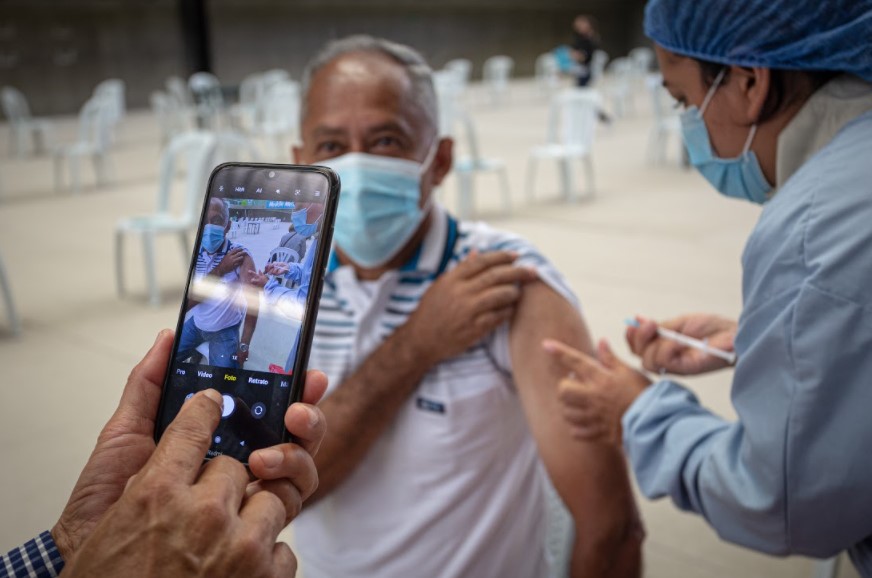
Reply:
x=583, y=26
x=363, y=103
x=215, y=215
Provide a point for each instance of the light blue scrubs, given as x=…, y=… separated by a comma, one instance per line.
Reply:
x=794, y=474
x=300, y=273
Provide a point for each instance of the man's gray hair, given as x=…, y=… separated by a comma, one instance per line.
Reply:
x=419, y=72
x=225, y=208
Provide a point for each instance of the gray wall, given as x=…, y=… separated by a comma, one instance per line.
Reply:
x=56, y=51
x=259, y=34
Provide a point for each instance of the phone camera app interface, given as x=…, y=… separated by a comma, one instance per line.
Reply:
x=247, y=302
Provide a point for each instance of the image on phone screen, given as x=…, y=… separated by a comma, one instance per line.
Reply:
x=260, y=247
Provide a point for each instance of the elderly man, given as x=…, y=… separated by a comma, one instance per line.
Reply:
x=217, y=305
x=442, y=404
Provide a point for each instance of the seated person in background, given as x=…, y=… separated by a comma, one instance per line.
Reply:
x=584, y=44
x=217, y=304
x=442, y=403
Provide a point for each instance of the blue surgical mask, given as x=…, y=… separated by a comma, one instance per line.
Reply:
x=740, y=177
x=298, y=218
x=378, y=206
x=213, y=237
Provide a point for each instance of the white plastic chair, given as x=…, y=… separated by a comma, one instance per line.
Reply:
x=177, y=88
x=26, y=132
x=598, y=67
x=11, y=314
x=92, y=141
x=208, y=98
x=196, y=149
x=571, y=130
x=231, y=146
x=112, y=91
x=462, y=68
x=621, y=86
x=280, y=116
x=245, y=113
x=497, y=72
x=643, y=58
x=667, y=121
x=547, y=71
x=468, y=167
x=283, y=255
x=272, y=77
x=171, y=118
x=448, y=94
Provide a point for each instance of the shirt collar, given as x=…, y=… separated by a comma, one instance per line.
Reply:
x=825, y=113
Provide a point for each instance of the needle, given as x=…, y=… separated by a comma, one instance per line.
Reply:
x=728, y=356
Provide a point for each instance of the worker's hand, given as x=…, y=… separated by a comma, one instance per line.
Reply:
x=230, y=262
x=664, y=355
x=127, y=442
x=258, y=278
x=466, y=304
x=596, y=393
x=179, y=518
x=277, y=268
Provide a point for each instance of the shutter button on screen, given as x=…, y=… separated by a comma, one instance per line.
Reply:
x=229, y=406
x=258, y=410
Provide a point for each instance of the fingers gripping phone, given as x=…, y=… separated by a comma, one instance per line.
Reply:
x=251, y=300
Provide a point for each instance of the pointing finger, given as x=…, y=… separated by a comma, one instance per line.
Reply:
x=184, y=444
x=582, y=364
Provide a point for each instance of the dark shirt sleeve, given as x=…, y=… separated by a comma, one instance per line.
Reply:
x=38, y=558
x=586, y=47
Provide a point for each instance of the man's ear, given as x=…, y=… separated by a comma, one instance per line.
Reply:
x=753, y=88
x=442, y=160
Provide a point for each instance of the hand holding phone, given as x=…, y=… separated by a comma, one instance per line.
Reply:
x=251, y=301
x=112, y=464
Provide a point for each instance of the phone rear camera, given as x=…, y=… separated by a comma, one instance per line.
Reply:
x=272, y=174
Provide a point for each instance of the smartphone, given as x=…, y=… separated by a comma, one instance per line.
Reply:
x=251, y=300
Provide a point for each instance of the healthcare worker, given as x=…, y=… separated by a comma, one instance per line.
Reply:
x=778, y=111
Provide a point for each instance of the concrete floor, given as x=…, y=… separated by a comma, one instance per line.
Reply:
x=655, y=240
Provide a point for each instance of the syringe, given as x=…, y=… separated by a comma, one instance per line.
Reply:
x=728, y=356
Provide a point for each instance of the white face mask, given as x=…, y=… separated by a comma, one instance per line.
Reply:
x=378, y=205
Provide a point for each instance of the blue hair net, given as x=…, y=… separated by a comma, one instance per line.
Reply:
x=834, y=35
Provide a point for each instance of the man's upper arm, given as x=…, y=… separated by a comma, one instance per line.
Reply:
x=246, y=269
x=591, y=478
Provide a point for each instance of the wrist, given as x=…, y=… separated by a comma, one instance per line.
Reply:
x=632, y=393
x=63, y=541
x=413, y=349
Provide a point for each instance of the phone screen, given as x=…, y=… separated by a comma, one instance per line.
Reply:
x=251, y=300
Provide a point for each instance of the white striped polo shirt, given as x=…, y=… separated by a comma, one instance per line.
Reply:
x=454, y=487
x=225, y=306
